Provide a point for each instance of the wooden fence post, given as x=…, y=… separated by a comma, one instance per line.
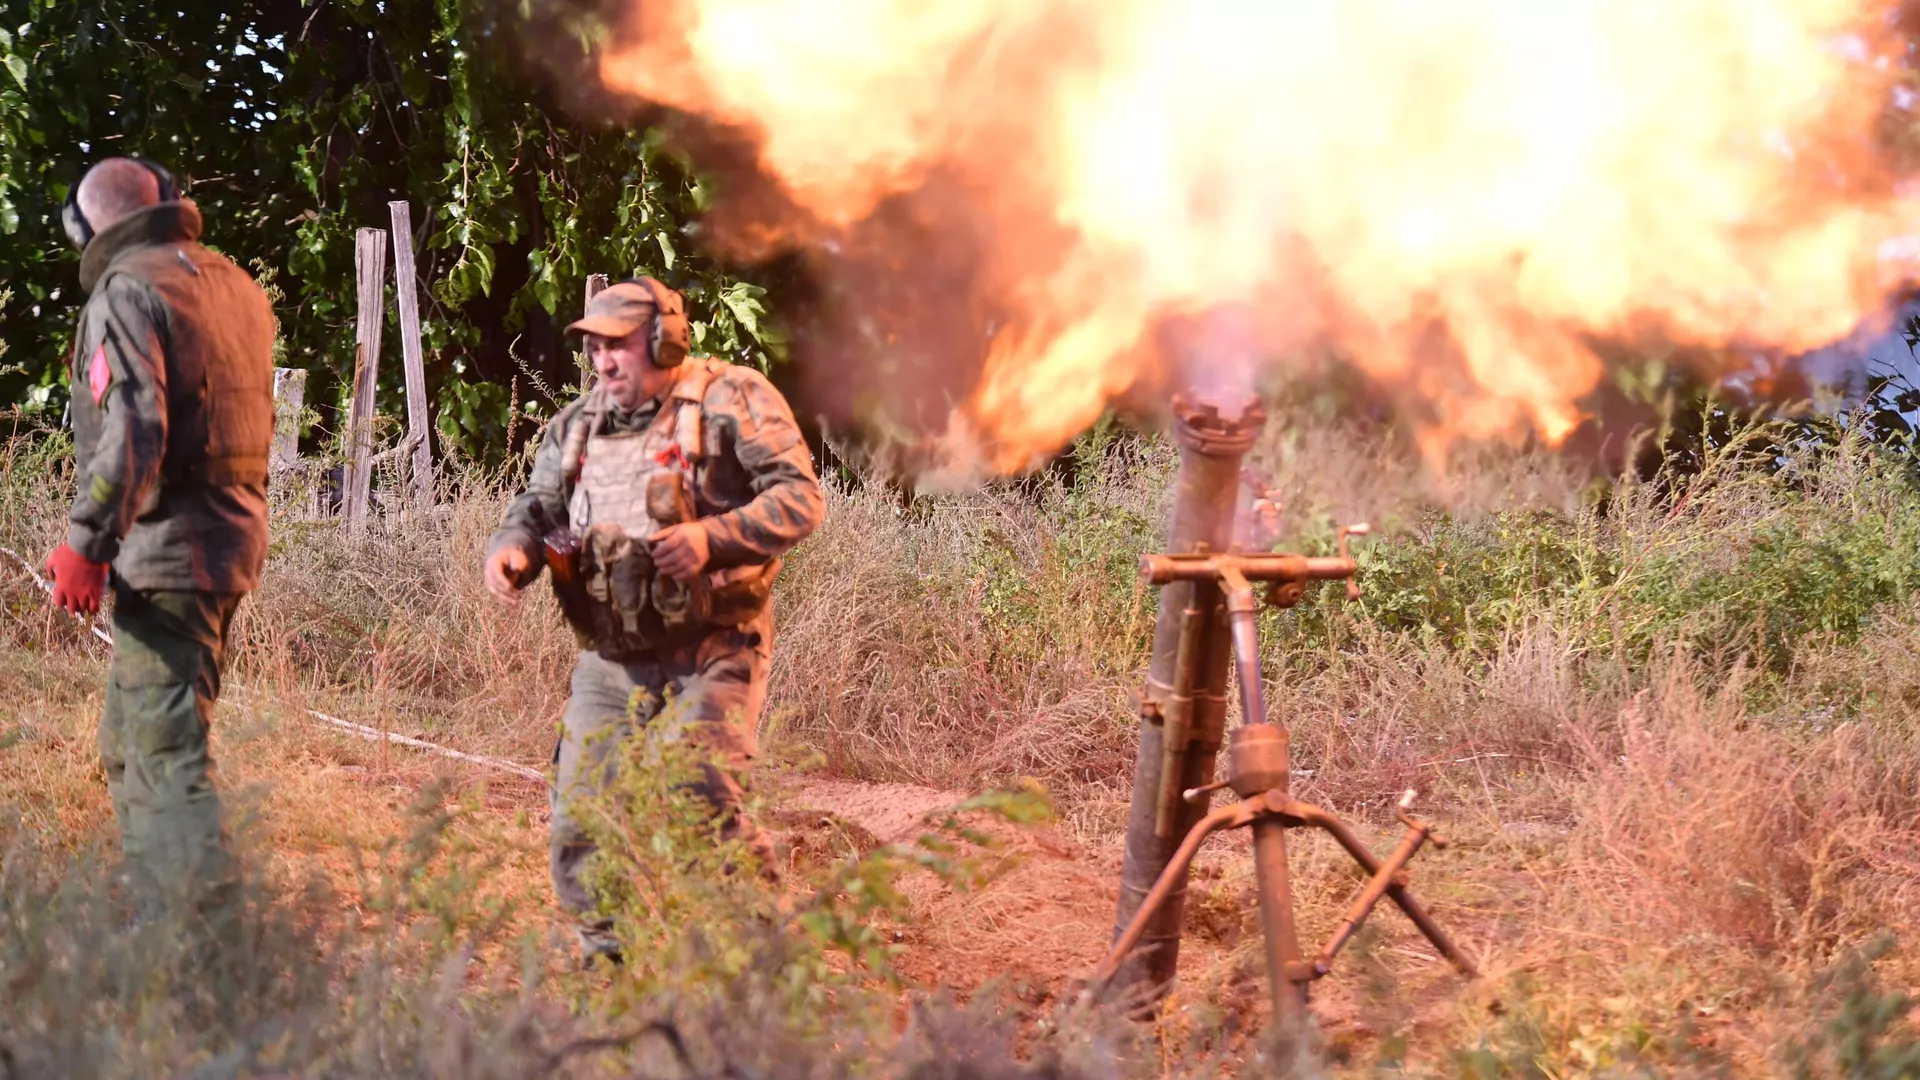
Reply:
x=370, y=272
x=289, y=402
x=404, y=288
x=595, y=284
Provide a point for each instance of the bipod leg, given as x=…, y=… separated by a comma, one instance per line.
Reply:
x=1227, y=817
x=1362, y=906
x=1276, y=923
x=1395, y=890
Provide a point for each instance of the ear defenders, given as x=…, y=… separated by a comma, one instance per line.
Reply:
x=80, y=230
x=671, y=340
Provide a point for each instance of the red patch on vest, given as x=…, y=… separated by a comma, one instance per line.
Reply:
x=673, y=456
x=99, y=375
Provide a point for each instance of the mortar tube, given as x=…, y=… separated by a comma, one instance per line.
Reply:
x=1176, y=726
x=1205, y=506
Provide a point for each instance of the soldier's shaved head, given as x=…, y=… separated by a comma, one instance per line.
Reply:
x=115, y=188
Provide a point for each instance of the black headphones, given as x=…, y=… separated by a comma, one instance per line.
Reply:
x=671, y=341
x=80, y=230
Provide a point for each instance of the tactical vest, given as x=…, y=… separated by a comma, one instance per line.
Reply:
x=218, y=342
x=628, y=486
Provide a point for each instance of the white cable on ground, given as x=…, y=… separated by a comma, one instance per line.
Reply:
x=347, y=726
x=47, y=587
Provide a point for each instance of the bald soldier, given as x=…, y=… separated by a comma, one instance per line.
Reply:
x=172, y=391
x=661, y=504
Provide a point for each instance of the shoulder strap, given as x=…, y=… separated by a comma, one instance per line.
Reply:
x=684, y=402
x=689, y=393
x=573, y=452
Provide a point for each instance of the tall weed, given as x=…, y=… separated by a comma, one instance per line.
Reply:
x=1671, y=725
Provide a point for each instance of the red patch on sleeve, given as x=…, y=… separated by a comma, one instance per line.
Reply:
x=99, y=375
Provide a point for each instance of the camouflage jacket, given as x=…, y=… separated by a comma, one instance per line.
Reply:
x=754, y=486
x=172, y=391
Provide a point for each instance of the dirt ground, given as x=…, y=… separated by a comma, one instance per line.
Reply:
x=1036, y=930
x=1039, y=925
x=1029, y=936
x=1032, y=934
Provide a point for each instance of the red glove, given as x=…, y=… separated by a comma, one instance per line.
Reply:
x=77, y=580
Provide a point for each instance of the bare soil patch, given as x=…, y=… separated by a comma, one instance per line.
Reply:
x=1034, y=931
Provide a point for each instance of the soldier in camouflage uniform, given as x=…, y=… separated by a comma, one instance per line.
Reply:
x=172, y=378
x=661, y=503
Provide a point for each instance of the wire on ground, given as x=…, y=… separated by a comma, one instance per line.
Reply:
x=358, y=730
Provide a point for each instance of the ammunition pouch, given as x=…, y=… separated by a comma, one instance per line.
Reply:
x=621, y=607
x=562, y=555
x=738, y=595
x=616, y=579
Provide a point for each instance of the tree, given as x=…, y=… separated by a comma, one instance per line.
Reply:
x=292, y=123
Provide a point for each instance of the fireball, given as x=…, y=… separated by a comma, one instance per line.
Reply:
x=1461, y=198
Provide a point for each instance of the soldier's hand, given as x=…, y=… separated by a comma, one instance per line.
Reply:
x=680, y=551
x=505, y=569
x=78, y=581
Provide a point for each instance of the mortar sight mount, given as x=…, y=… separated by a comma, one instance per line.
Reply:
x=1208, y=622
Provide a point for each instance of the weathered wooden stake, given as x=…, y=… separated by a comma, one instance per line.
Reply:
x=370, y=273
x=595, y=284
x=404, y=287
x=289, y=401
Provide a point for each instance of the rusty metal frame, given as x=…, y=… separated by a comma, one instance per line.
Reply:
x=1271, y=813
x=1207, y=624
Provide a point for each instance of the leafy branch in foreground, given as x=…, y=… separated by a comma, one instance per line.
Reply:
x=692, y=914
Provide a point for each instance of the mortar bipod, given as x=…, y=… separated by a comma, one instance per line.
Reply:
x=1258, y=770
x=1259, y=754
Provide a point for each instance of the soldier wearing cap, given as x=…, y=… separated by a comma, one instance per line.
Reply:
x=172, y=377
x=661, y=502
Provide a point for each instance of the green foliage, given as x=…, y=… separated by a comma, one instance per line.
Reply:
x=293, y=124
x=694, y=916
x=1745, y=548
x=1465, y=582
x=1099, y=540
x=1802, y=576
x=1860, y=1030
x=474, y=416
x=1081, y=567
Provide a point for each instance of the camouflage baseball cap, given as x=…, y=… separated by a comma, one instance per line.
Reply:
x=616, y=311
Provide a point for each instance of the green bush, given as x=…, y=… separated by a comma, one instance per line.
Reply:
x=1752, y=556
x=1857, y=1029
x=696, y=919
x=1462, y=583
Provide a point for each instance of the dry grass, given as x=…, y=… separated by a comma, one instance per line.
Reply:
x=1673, y=735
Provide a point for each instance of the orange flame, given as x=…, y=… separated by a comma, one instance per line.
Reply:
x=1459, y=196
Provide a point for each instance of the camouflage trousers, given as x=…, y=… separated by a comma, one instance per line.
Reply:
x=168, y=650
x=714, y=688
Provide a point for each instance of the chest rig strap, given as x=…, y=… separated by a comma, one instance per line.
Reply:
x=681, y=409
x=625, y=485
